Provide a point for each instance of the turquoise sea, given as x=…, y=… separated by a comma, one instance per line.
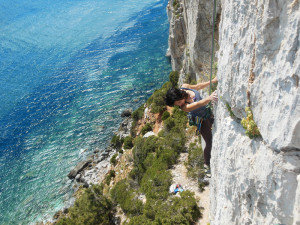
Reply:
x=67, y=71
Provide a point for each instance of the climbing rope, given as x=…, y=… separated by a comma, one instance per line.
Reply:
x=212, y=43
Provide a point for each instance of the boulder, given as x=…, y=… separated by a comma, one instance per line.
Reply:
x=80, y=166
x=126, y=113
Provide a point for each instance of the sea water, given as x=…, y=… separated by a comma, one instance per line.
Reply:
x=67, y=71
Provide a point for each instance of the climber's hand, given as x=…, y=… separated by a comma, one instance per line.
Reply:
x=214, y=96
x=215, y=80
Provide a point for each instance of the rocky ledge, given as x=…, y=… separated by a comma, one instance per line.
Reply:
x=94, y=168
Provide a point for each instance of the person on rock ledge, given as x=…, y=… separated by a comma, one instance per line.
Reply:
x=199, y=114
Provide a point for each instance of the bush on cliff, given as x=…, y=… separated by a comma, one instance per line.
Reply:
x=249, y=125
x=146, y=129
x=156, y=181
x=157, y=100
x=142, y=148
x=174, y=77
x=128, y=142
x=113, y=159
x=195, y=164
x=183, y=210
x=110, y=175
x=136, y=116
x=90, y=208
x=165, y=115
x=125, y=195
x=116, y=141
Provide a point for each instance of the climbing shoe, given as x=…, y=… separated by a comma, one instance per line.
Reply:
x=207, y=171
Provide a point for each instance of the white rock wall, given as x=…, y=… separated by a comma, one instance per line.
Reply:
x=257, y=181
x=253, y=181
x=190, y=37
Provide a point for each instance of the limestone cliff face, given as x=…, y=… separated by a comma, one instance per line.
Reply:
x=255, y=181
x=190, y=37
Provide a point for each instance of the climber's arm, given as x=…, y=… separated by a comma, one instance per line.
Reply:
x=203, y=102
x=200, y=85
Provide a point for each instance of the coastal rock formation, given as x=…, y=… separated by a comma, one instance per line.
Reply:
x=254, y=181
x=96, y=166
x=190, y=37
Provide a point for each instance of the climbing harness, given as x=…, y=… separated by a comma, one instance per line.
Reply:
x=197, y=120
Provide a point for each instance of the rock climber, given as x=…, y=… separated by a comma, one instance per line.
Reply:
x=199, y=114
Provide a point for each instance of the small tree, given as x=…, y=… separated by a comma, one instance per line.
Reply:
x=113, y=159
x=165, y=115
x=146, y=129
x=128, y=142
x=92, y=208
x=174, y=77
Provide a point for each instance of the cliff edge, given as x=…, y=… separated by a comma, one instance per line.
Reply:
x=254, y=181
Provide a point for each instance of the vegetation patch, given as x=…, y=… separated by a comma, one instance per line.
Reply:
x=92, y=207
x=111, y=174
x=176, y=210
x=128, y=142
x=157, y=100
x=146, y=128
x=113, y=159
x=229, y=110
x=165, y=115
x=174, y=77
x=123, y=194
x=117, y=142
x=195, y=164
x=136, y=116
x=176, y=4
x=150, y=177
x=249, y=125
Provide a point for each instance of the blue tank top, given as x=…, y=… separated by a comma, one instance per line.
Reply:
x=201, y=112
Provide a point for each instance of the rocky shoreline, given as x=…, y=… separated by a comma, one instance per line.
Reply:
x=95, y=167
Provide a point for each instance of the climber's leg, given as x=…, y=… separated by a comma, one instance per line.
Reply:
x=207, y=136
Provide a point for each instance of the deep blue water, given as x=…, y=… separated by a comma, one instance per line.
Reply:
x=67, y=70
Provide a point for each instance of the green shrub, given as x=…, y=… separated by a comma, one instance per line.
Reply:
x=157, y=100
x=128, y=142
x=195, y=164
x=169, y=123
x=183, y=210
x=116, y=141
x=138, y=114
x=144, y=146
x=174, y=77
x=125, y=195
x=121, y=151
x=180, y=118
x=168, y=157
x=249, y=125
x=156, y=181
x=158, y=104
x=110, y=175
x=165, y=115
x=175, y=4
x=90, y=208
x=113, y=159
x=146, y=129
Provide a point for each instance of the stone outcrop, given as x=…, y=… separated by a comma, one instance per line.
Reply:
x=190, y=38
x=254, y=181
